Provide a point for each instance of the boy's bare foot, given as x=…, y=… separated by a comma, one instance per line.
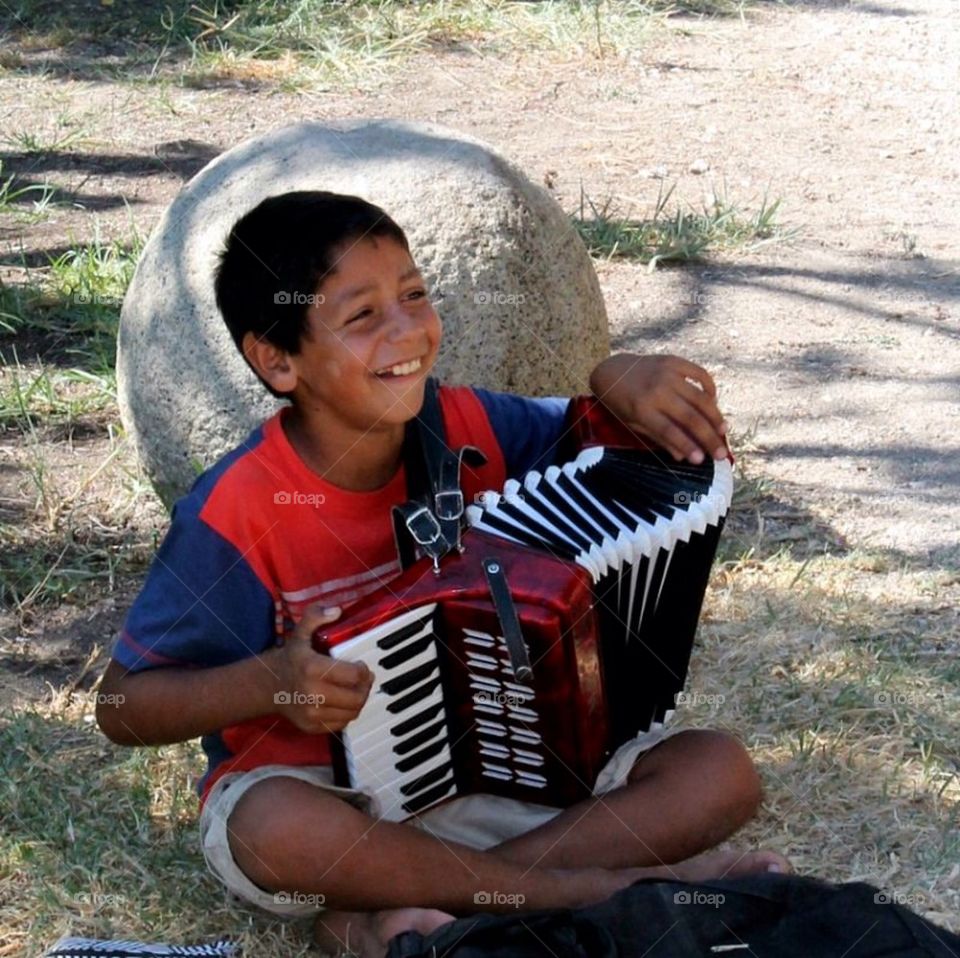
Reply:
x=725, y=864
x=368, y=934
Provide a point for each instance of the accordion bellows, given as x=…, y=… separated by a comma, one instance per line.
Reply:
x=607, y=559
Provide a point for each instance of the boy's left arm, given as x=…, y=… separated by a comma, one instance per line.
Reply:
x=666, y=399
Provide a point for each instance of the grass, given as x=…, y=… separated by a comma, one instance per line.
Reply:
x=25, y=204
x=678, y=236
x=854, y=727
x=69, y=312
x=59, y=415
x=315, y=41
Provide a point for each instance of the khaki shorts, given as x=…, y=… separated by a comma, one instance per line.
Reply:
x=479, y=821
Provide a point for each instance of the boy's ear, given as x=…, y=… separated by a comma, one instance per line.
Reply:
x=271, y=363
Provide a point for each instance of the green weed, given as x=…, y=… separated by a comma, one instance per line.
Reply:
x=14, y=201
x=678, y=236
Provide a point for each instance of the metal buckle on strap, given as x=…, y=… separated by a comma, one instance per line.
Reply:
x=427, y=533
x=449, y=504
x=424, y=527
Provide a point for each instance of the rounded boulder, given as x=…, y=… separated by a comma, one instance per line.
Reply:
x=513, y=283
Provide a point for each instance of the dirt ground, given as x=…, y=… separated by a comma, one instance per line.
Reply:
x=837, y=354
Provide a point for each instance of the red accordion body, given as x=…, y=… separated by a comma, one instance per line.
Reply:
x=554, y=605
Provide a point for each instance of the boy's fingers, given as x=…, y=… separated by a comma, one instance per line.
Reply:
x=315, y=617
x=701, y=429
x=704, y=403
x=339, y=698
x=347, y=675
x=679, y=434
x=698, y=374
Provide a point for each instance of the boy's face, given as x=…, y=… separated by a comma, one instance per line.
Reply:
x=371, y=340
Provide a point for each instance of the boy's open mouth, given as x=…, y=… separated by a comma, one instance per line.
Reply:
x=401, y=369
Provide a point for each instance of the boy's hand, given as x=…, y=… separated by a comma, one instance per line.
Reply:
x=315, y=692
x=664, y=398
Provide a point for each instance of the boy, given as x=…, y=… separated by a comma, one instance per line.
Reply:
x=322, y=297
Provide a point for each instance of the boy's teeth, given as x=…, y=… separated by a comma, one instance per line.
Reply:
x=404, y=369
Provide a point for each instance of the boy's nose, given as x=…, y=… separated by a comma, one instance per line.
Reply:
x=401, y=323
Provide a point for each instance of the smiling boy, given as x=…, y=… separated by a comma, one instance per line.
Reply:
x=324, y=300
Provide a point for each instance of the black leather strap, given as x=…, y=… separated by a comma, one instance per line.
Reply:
x=433, y=480
x=509, y=622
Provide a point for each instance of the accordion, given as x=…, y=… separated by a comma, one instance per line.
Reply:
x=605, y=561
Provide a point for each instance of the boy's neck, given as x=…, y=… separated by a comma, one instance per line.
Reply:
x=357, y=464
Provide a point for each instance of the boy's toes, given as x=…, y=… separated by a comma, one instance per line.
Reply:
x=729, y=864
x=368, y=934
x=397, y=920
x=762, y=861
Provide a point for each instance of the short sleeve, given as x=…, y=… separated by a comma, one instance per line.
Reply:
x=528, y=430
x=201, y=604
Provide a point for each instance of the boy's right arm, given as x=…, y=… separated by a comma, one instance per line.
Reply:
x=162, y=705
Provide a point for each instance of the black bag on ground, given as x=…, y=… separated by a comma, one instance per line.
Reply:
x=758, y=916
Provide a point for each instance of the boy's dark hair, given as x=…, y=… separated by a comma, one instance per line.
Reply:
x=279, y=253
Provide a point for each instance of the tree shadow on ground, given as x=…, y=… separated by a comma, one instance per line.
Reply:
x=88, y=39
x=933, y=276
x=182, y=158
x=27, y=174
x=853, y=6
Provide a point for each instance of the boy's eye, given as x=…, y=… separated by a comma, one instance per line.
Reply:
x=361, y=315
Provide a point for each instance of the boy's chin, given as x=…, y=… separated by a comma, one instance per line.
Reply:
x=408, y=402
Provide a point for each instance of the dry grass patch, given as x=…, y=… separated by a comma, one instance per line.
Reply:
x=843, y=680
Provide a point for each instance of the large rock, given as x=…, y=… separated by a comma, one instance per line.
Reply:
x=521, y=304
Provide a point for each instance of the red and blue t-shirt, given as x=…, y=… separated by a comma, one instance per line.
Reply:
x=260, y=537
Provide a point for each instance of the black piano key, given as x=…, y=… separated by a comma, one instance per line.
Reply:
x=411, y=699
x=421, y=738
x=401, y=635
x=426, y=781
x=406, y=653
x=401, y=683
x=415, y=721
x=427, y=798
x=418, y=758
